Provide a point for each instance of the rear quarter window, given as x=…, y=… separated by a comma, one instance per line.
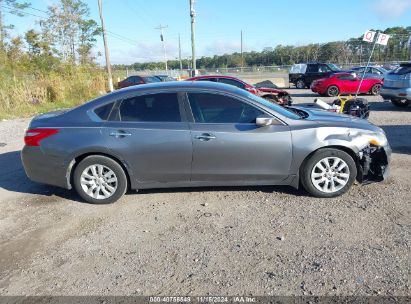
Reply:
x=298, y=68
x=103, y=112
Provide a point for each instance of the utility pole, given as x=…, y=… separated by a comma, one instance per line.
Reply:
x=242, y=58
x=164, y=44
x=110, y=80
x=1, y=27
x=193, y=44
x=179, y=52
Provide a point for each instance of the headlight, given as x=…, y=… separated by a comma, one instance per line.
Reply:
x=377, y=139
x=363, y=138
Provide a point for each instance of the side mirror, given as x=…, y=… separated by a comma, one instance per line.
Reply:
x=264, y=120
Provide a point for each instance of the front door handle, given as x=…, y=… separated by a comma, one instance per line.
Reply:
x=205, y=137
x=118, y=134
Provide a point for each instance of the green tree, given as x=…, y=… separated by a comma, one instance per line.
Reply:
x=87, y=38
x=68, y=29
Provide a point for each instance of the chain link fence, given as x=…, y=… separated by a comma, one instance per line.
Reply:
x=277, y=74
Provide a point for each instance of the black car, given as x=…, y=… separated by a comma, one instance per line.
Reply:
x=303, y=74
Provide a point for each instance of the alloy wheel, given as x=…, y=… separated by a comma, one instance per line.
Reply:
x=98, y=181
x=300, y=84
x=330, y=174
x=376, y=89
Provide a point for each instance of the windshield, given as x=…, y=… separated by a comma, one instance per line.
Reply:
x=279, y=109
x=151, y=79
x=334, y=67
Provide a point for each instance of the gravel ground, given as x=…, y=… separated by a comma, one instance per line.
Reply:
x=217, y=241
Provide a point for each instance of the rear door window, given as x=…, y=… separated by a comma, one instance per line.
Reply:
x=312, y=68
x=161, y=107
x=216, y=108
x=232, y=82
x=346, y=77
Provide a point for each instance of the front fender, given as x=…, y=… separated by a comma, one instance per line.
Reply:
x=307, y=141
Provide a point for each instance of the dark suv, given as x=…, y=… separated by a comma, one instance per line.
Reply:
x=303, y=74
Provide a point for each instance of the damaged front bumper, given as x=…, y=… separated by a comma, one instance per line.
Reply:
x=374, y=163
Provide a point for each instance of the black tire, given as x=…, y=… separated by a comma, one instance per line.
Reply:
x=307, y=170
x=402, y=103
x=107, y=163
x=375, y=90
x=300, y=84
x=333, y=91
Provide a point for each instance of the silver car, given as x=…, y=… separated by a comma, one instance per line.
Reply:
x=372, y=72
x=192, y=134
x=397, y=86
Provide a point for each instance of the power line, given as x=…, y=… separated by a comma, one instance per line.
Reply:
x=12, y=9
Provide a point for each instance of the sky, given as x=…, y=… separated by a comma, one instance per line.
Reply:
x=133, y=37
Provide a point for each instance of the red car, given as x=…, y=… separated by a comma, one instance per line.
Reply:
x=136, y=80
x=279, y=96
x=345, y=83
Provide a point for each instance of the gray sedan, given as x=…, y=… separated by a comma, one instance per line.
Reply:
x=371, y=72
x=192, y=134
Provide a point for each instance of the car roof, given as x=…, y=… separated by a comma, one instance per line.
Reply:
x=204, y=85
x=213, y=76
x=313, y=62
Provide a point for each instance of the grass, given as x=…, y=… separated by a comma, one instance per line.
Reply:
x=27, y=95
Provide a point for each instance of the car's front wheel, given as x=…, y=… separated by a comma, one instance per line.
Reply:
x=99, y=180
x=332, y=91
x=328, y=173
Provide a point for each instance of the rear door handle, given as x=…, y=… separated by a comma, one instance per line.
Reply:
x=118, y=134
x=205, y=137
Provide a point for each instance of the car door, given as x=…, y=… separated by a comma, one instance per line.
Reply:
x=349, y=83
x=229, y=148
x=311, y=74
x=150, y=133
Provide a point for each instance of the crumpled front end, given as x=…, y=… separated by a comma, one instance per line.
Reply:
x=374, y=164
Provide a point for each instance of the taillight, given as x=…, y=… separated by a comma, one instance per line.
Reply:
x=34, y=136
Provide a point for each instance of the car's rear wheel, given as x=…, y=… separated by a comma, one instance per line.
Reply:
x=328, y=173
x=400, y=102
x=376, y=88
x=99, y=180
x=300, y=84
x=332, y=91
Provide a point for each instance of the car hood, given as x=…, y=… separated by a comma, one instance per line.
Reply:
x=332, y=119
